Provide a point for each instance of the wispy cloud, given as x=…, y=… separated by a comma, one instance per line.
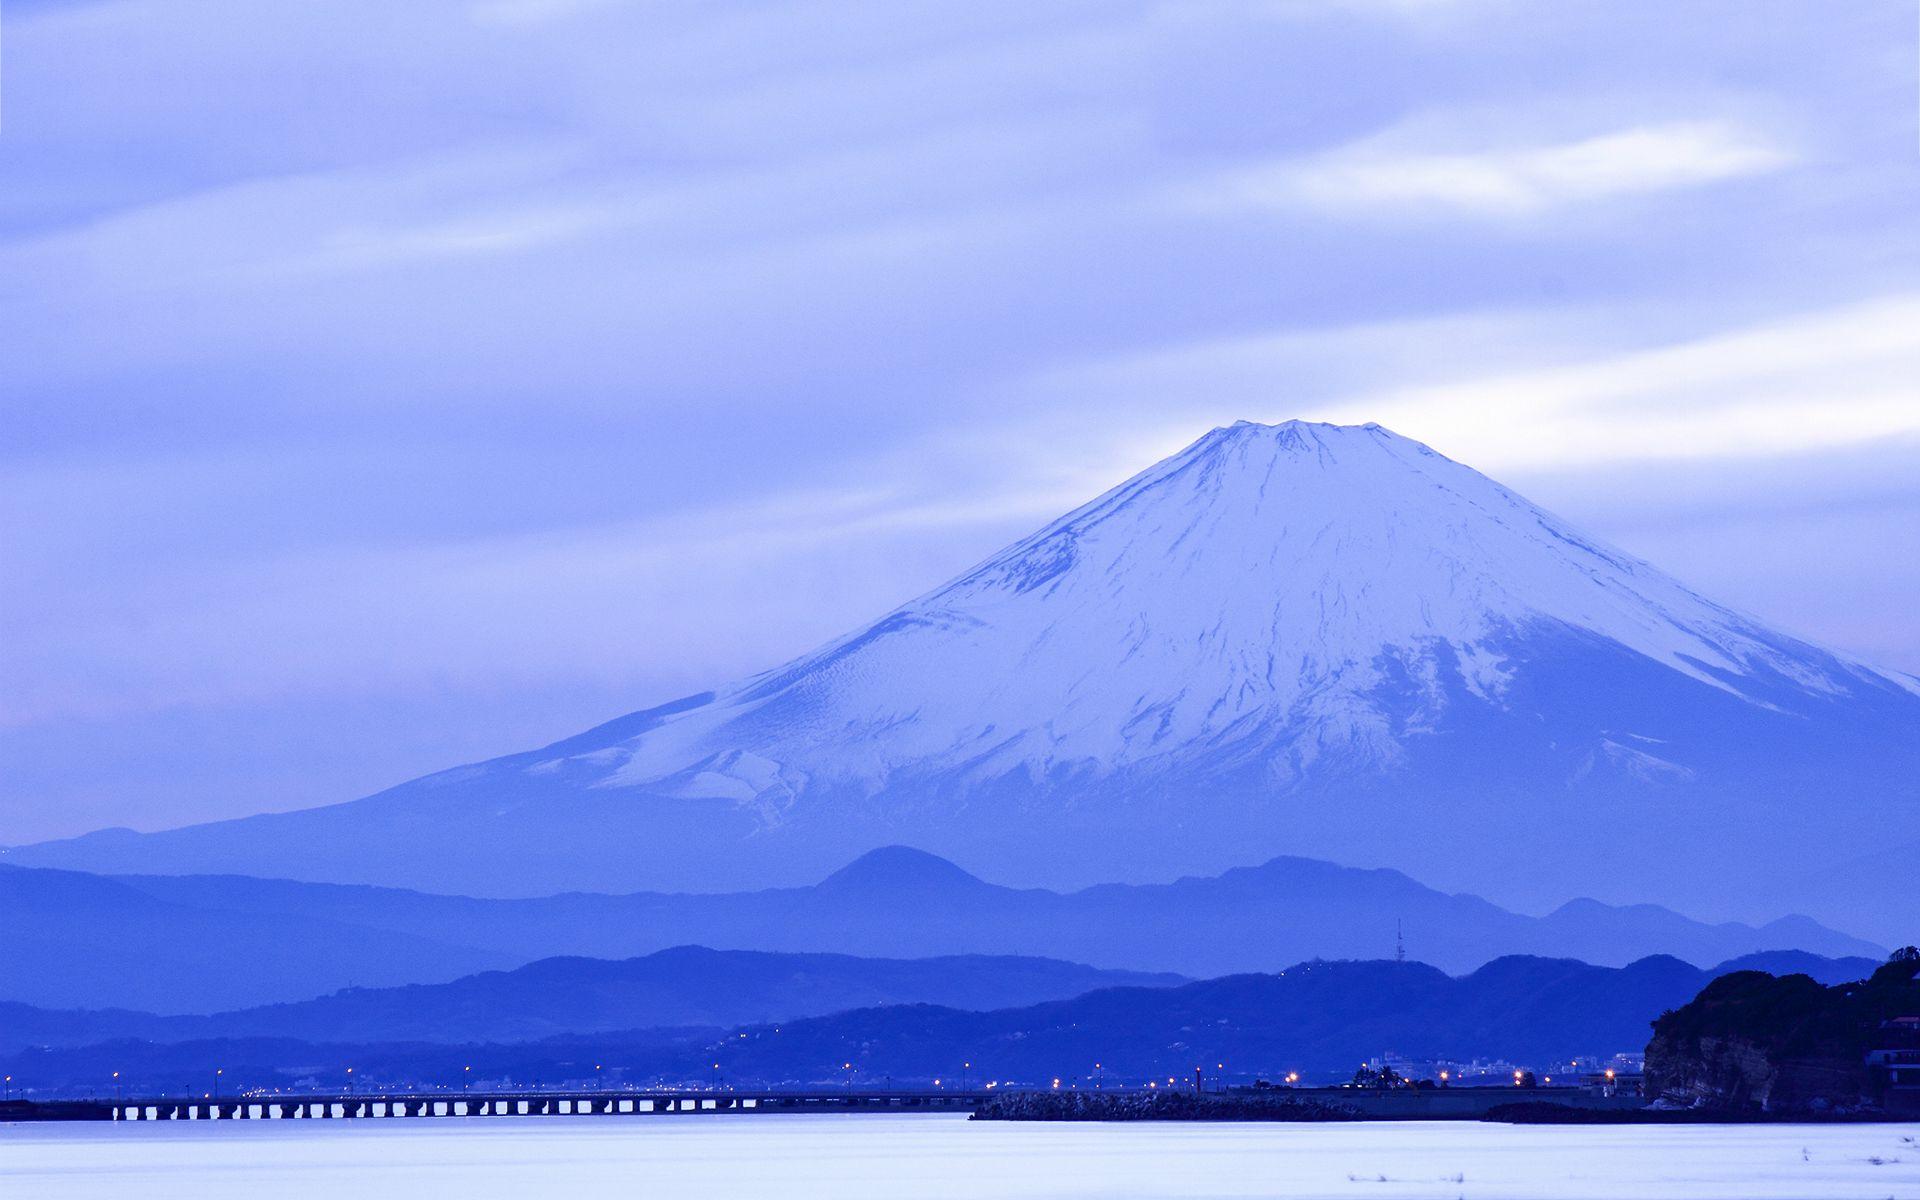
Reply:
x=1808, y=382
x=1526, y=390
x=1388, y=174
x=534, y=12
x=478, y=347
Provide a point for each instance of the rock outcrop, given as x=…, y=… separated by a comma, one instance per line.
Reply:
x=1751, y=1042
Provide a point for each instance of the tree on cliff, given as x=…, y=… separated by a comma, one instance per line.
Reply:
x=1751, y=1041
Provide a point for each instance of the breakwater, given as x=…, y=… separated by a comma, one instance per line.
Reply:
x=1288, y=1104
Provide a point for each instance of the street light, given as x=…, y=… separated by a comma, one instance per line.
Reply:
x=217, y=1073
x=349, y=1081
x=466, y=1074
x=116, y=1087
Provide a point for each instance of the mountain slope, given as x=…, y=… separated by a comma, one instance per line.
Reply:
x=682, y=987
x=69, y=939
x=891, y=903
x=692, y=987
x=1319, y=1018
x=1298, y=638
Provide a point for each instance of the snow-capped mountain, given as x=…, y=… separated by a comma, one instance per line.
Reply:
x=1268, y=596
x=1298, y=638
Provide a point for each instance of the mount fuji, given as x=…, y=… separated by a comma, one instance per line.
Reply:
x=1292, y=639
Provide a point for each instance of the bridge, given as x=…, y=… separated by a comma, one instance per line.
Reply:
x=396, y=1106
x=1396, y=1104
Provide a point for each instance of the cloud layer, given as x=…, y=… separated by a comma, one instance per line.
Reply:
x=388, y=385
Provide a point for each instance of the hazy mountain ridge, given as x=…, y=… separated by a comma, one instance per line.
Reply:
x=681, y=987
x=892, y=903
x=69, y=939
x=1302, y=639
x=1318, y=1017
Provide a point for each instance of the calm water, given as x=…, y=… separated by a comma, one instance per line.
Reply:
x=889, y=1157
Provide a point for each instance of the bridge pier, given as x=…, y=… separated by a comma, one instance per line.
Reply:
x=376, y=1106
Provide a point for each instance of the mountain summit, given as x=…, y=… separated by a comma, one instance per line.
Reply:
x=1272, y=595
x=1297, y=638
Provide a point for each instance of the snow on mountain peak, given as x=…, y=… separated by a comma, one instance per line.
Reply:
x=1252, y=595
x=1284, y=639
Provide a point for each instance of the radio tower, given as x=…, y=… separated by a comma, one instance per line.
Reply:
x=1399, y=943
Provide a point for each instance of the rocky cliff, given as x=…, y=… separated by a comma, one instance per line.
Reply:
x=1754, y=1042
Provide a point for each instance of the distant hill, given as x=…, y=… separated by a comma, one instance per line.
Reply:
x=1298, y=638
x=684, y=986
x=1827, y=971
x=890, y=903
x=69, y=939
x=1319, y=1018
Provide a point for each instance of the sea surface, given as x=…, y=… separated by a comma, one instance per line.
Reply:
x=888, y=1157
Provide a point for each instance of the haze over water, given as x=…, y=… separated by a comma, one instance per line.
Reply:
x=883, y=1157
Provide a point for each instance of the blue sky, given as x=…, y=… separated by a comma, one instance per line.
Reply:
x=393, y=385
